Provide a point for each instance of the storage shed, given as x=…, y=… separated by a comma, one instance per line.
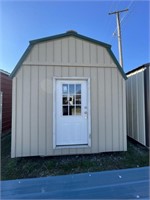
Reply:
x=5, y=102
x=138, y=104
x=69, y=97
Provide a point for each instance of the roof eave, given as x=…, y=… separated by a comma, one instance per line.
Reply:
x=21, y=60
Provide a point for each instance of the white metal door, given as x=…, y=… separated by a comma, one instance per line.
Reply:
x=71, y=112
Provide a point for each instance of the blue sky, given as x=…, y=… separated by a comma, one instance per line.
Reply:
x=22, y=21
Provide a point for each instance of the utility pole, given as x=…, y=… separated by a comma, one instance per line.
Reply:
x=119, y=34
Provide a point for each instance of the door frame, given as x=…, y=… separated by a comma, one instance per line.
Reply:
x=89, y=110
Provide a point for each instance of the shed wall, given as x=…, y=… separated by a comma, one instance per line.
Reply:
x=32, y=131
x=69, y=51
x=33, y=115
x=136, y=107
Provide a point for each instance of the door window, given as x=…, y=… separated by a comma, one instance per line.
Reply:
x=71, y=99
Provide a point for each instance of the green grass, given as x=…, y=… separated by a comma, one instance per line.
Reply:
x=14, y=168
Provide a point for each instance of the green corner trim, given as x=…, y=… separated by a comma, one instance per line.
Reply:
x=21, y=61
x=117, y=63
x=69, y=33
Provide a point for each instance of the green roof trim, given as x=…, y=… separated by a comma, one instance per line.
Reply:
x=13, y=73
x=117, y=63
x=69, y=33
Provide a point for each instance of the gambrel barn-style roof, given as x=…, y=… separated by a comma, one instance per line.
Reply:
x=64, y=35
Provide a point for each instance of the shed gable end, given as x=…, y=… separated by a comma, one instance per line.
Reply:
x=69, y=51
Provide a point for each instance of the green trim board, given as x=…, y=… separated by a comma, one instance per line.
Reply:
x=67, y=34
x=70, y=33
x=27, y=51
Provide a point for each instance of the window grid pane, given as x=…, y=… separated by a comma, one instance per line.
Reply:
x=71, y=99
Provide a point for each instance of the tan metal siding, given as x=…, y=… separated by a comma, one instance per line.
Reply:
x=136, y=107
x=69, y=51
x=32, y=132
x=115, y=114
x=94, y=113
x=34, y=110
x=37, y=103
x=101, y=109
x=19, y=113
x=26, y=112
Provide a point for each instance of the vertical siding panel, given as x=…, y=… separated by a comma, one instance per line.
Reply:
x=49, y=108
x=93, y=54
x=72, y=71
x=87, y=73
x=26, y=111
x=124, y=116
x=134, y=108
x=141, y=108
x=115, y=130
x=128, y=105
x=108, y=119
x=65, y=53
x=65, y=71
x=34, y=54
x=137, y=111
x=57, y=51
x=86, y=53
x=72, y=56
x=14, y=112
x=57, y=73
x=101, y=109
x=42, y=52
x=42, y=108
x=132, y=113
x=19, y=115
x=50, y=52
x=120, y=112
x=79, y=71
x=100, y=55
x=34, y=110
x=94, y=110
x=79, y=52
x=131, y=106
